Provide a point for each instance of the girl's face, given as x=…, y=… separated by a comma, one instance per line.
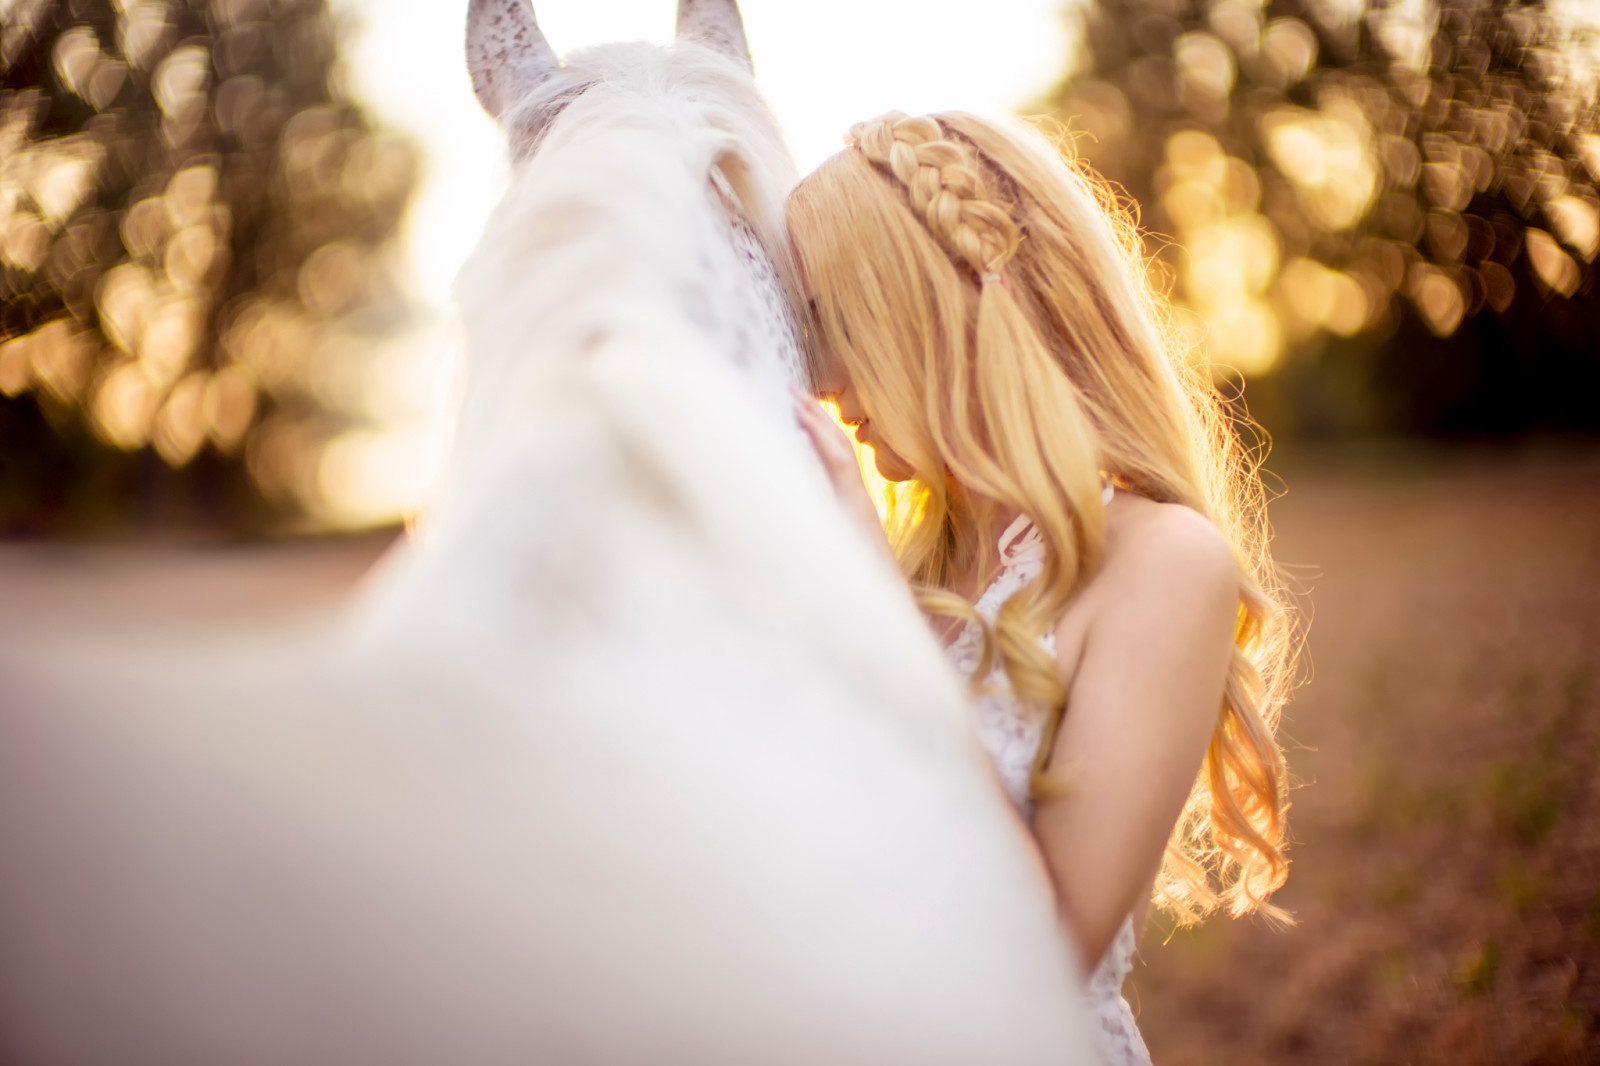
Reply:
x=834, y=383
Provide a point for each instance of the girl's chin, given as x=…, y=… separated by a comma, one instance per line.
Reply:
x=891, y=469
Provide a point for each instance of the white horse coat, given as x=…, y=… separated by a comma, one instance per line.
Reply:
x=638, y=756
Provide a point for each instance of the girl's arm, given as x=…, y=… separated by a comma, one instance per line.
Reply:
x=1150, y=641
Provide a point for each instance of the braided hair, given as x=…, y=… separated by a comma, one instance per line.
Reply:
x=945, y=187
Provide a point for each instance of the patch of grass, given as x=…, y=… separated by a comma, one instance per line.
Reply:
x=1526, y=796
x=1392, y=805
x=1570, y=1036
x=1394, y=972
x=1445, y=803
x=1576, y=687
x=1527, y=793
x=1520, y=693
x=1520, y=886
x=1373, y=702
x=1398, y=890
x=1475, y=969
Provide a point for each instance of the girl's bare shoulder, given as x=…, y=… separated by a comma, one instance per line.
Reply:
x=1166, y=568
x=1165, y=546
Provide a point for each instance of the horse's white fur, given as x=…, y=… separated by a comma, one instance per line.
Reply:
x=640, y=757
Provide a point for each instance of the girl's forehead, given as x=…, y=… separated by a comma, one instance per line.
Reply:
x=832, y=371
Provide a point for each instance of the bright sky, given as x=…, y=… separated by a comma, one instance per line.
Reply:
x=823, y=64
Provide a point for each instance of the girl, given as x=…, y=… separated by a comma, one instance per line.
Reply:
x=1072, y=508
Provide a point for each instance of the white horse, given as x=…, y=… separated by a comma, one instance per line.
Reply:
x=638, y=756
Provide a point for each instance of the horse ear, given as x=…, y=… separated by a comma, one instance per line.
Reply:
x=506, y=52
x=715, y=24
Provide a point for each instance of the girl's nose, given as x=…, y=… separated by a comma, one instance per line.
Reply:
x=850, y=410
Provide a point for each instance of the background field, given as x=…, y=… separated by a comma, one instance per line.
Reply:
x=1446, y=876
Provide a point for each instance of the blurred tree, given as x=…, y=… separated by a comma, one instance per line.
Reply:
x=196, y=231
x=1384, y=214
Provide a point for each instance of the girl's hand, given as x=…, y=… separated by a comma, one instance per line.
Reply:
x=838, y=459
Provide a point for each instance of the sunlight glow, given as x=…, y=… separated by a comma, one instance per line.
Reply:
x=822, y=66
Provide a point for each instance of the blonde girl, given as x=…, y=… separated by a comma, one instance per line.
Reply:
x=1071, y=506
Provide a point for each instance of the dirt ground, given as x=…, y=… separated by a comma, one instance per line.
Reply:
x=1446, y=878
x=1446, y=870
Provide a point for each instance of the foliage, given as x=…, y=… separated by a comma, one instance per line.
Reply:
x=1385, y=214
x=196, y=227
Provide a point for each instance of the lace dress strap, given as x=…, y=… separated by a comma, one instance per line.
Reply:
x=1021, y=541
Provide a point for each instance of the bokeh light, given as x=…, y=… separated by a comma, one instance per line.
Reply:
x=215, y=199
x=1345, y=180
x=194, y=215
x=206, y=234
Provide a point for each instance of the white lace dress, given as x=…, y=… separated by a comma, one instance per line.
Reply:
x=1011, y=731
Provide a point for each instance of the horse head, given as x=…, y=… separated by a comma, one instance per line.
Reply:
x=510, y=59
x=645, y=207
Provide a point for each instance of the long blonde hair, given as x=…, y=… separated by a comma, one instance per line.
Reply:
x=990, y=301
